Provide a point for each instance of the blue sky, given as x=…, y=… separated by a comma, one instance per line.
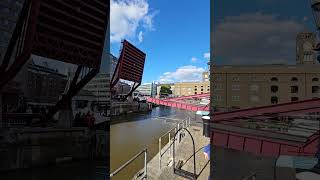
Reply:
x=260, y=31
x=175, y=35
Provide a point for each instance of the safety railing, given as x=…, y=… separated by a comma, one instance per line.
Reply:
x=145, y=152
x=184, y=124
x=252, y=176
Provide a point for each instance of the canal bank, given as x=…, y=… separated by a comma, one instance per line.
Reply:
x=134, y=132
x=123, y=108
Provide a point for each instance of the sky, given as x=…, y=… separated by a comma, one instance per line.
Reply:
x=174, y=34
x=259, y=31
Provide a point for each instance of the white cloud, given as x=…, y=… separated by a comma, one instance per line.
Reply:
x=183, y=74
x=140, y=36
x=127, y=16
x=206, y=55
x=194, y=59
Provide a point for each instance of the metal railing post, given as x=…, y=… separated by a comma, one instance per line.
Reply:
x=169, y=144
x=160, y=153
x=145, y=163
x=175, y=131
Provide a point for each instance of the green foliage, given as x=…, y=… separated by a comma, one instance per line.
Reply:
x=165, y=89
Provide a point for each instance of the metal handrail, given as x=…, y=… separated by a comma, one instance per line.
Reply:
x=252, y=176
x=145, y=152
x=185, y=123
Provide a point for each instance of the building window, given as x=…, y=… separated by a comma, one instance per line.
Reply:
x=294, y=99
x=235, y=78
x=235, y=87
x=254, y=87
x=235, y=98
x=217, y=87
x=274, y=79
x=201, y=89
x=294, y=89
x=195, y=93
x=274, y=89
x=294, y=79
x=274, y=100
x=315, y=89
x=217, y=98
x=254, y=78
x=218, y=78
x=315, y=79
x=254, y=98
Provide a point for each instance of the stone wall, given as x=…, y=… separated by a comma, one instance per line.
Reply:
x=24, y=148
x=121, y=108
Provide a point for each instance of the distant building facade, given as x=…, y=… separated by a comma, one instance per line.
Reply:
x=191, y=88
x=305, y=44
x=205, y=76
x=253, y=86
x=148, y=89
x=43, y=84
x=99, y=86
x=113, y=64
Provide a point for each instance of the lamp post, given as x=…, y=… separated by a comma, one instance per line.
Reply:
x=315, y=6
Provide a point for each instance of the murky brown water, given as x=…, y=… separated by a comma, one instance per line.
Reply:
x=141, y=131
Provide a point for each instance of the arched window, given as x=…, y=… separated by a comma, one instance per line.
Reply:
x=315, y=79
x=294, y=89
x=274, y=89
x=315, y=89
x=294, y=79
x=274, y=79
x=274, y=100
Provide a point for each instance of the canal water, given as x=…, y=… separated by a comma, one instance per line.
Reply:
x=132, y=133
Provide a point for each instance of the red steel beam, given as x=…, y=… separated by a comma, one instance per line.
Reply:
x=189, y=97
x=285, y=108
x=266, y=147
x=177, y=104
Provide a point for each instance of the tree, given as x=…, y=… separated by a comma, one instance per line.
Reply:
x=165, y=89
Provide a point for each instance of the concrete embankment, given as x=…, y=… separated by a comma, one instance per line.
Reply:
x=122, y=108
x=184, y=153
